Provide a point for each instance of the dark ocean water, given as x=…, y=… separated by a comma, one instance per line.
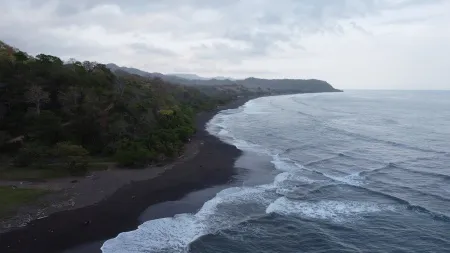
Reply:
x=360, y=171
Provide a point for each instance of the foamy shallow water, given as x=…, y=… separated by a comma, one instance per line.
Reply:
x=344, y=180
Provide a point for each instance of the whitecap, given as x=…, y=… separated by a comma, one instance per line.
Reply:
x=338, y=211
x=284, y=177
x=224, y=132
x=353, y=179
x=175, y=234
x=285, y=164
x=162, y=235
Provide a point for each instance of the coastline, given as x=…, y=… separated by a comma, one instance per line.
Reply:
x=213, y=164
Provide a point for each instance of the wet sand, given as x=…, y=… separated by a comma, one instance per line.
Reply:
x=212, y=165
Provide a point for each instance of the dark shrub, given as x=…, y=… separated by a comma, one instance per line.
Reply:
x=76, y=166
x=30, y=154
x=73, y=157
x=66, y=149
x=134, y=154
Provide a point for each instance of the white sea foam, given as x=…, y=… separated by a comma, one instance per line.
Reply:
x=281, y=178
x=287, y=183
x=338, y=211
x=175, y=234
x=162, y=235
x=216, y=124
x=219, y=126
x=254, y=107
x=286, y=164
x=353, y=179
x=224, y=132
x=229, y=208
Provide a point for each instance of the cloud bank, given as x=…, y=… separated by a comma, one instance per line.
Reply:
x=370, y=44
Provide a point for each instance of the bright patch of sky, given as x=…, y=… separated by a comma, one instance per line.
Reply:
x=353, y=44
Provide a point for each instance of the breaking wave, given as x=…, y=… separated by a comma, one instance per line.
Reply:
x=332, y=177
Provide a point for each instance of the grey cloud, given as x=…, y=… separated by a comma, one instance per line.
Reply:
x=234, y=31
x=401, y=21
x=229, y=72
x=359, y=28
x=220, y=51
x=65, y=7
x=261, y=42
x=68, y=8
x=406, y=3
x=73, y=7
x=142, y=48
x=270, y=19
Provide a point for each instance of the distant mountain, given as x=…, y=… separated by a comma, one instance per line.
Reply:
x=168, y=78
x=197, y=77
x=113, y=67
x=288, y=85
x=189, y=76
x=224, y=78
x=185, y=79
x=272, y=86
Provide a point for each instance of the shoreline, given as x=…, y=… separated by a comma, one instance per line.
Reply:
x=213, y=164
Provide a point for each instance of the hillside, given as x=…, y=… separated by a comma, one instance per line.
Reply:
x=189, y=76
x=197, y=77
x=254, y=84
x=56, y=114
x=288, y=85
x=60, y=114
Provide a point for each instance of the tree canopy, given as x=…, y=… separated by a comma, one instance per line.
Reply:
x=47, y=104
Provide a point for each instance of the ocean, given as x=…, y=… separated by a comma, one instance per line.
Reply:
x=359, y=171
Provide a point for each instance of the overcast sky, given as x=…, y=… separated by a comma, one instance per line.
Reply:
x=364, y=44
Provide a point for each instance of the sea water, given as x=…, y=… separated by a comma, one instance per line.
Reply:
x=359, y=171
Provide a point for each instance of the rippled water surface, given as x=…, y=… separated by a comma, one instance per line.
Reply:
x=360, y=171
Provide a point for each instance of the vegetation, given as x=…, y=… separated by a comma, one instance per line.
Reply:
x=59, y=115
x=252, y=85
x=12, y=198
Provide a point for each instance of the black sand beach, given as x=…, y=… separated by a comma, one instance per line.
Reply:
x=213, y=165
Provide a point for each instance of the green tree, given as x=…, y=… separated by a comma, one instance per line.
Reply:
x=37, y=96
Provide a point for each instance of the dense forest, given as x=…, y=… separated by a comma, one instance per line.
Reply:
x=268, y=86
x=64, y=114
x=55, y=112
